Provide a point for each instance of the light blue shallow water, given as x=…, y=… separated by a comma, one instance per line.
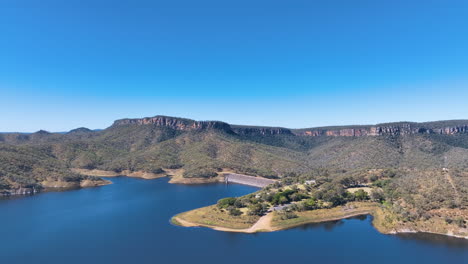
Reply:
x=128, y=222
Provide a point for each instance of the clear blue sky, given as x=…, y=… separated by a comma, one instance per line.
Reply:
x=67, y=64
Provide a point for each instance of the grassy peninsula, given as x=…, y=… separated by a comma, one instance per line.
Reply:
x=294, y=202
x=415, y=174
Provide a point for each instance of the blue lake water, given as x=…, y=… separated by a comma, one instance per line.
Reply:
x=128, y=222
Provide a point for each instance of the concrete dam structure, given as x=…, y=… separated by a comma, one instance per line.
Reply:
x=247, y=180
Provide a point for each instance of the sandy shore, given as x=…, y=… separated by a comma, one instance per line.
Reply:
x=406, y=231
x=265, y=224
x=81, y=184
x=262, y=225
x=175, y=175
x=127, y=173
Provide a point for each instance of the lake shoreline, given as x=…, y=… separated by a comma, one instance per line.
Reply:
x=409, y=231
x=376, y=213
x=54, y=186
x=273, y=224
x=175, y=220
x=128, y=221
x=175, y=176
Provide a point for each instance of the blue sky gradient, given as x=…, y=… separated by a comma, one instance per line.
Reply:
x=67, y=64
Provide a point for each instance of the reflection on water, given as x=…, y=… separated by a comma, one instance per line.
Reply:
x=434, y=239
x=425, y=238
x=329, y=225
x=43, y=191
x=128, y=222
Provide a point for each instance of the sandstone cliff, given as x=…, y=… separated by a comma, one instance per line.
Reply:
x=394, y=129
x=248, y=130
x=175, y=123
x=451, y=127
x=406, y=128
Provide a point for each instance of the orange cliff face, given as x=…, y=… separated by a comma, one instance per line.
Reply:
x=392, y=129
x=189, y=125
x=174, y=123
x=402, y=129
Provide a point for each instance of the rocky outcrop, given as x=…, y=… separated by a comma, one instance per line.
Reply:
x=448, y=130
x=128, y=173
x=19, y=191
x=392, y=129
x=388, y=129
x=190, y=125
x=48, y=185
x=247, y=131
x=60, y=184
x=175, y=123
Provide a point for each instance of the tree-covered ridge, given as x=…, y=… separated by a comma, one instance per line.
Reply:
x=33, y=167
x=157, y=146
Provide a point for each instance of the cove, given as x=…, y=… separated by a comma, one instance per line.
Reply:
x=128, y=222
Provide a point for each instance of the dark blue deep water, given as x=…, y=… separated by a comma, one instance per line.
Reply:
x=128, y=222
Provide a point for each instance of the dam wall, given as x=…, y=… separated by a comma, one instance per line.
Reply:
x=247, y=180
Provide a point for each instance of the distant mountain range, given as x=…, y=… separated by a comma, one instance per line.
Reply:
x=201, y=149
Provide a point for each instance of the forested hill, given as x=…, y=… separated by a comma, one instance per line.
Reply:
x=203, y=148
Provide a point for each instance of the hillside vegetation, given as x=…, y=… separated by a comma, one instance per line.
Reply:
x=428, y=161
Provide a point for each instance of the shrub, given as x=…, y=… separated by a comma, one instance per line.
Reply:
x=361, y=195
x=285, y=215
x=310, y=204
x=257, y=209
x=460, y=222
x=226, y=202
x=234, y=211
x=377, y=195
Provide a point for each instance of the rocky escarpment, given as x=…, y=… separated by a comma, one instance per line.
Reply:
x=175, y=123
x=389, y=129
x=392, y=129
x=451, y=127
x=189, y=125
x=247, y=131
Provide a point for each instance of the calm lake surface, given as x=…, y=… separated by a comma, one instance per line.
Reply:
x=128, y=222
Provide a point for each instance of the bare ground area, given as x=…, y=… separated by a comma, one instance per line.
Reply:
x=262, y=225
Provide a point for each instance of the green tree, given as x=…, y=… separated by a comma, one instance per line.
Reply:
x=283, y=200
x=284, y=215
x=361, y=195
x=377, y=195
x=310, y=204
x=226, y=202
x=257, y=209
x=234, y=211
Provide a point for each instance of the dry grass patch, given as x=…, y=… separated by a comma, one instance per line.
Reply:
x=368, y=190
x=323, y=215
x=212, y=216
x=387, y=222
